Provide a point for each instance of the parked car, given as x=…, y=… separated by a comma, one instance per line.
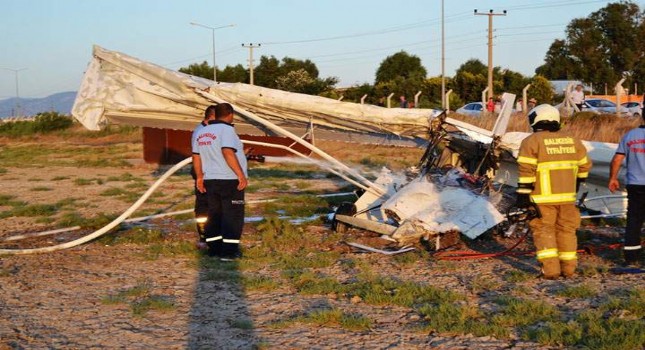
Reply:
x=634, y=108
x=599, y=105
x=473, y=109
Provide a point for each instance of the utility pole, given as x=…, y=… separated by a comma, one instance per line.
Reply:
x=490, y=15
x=251, y=47
x=17, y=110
x=443, y=61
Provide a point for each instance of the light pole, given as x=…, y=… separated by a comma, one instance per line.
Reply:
x=17, y=112
x=213, y=32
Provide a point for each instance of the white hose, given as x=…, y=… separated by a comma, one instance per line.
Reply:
x=107, y=227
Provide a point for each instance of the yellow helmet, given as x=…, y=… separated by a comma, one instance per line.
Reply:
x=544, y=112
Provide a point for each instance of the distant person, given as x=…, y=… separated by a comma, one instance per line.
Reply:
x=403, y=102
x=531, y=104
x=632, y=149
x=201, y=200
x=578, y=97
x=518, y=105
x=498, y=105
x=490, y=105
x=221, y=170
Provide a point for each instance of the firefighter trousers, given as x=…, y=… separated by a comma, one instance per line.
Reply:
x=225, y=216
x=554, y=235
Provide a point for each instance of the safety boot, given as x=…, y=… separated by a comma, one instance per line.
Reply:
x=550, y=268
x=568, y=268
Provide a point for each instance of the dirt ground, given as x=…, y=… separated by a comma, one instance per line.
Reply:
x=104, y=295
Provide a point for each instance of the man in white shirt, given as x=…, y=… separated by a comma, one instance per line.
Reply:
x=220, y=166
x=578, y=97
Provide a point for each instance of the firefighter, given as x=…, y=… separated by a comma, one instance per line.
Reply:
x=552, y=165
x=201, y=199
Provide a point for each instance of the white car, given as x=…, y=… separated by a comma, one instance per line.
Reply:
x=599, y=105
x=634, y=108
x=473, y=109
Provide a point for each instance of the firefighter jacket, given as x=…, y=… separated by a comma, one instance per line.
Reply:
x=550, y=164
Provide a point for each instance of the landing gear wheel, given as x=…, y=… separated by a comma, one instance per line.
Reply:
x=346, y=208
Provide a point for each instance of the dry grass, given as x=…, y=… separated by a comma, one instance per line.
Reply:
x=586, y=126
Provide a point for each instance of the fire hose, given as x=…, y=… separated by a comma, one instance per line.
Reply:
x=107, y=227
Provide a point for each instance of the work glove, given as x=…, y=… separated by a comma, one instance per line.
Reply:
x=523, y=201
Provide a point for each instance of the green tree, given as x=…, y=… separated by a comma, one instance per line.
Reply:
x=401, y=64
x=292, y=74
x=233, y=74
x=599, y=48
x=541, y=90
x=267, y=71
x=301, y=81
x=469, y=86
x=559, y=64
x=203, y=70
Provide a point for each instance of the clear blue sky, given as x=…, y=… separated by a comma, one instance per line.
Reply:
x=53, y=38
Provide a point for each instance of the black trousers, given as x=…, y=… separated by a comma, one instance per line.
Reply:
x=225, y=216
x=635, y=218
x=201, y=209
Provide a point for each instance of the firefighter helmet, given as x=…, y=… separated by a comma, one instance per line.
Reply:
x=544, y=113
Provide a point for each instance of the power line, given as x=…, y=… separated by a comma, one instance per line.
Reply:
x=398, y=28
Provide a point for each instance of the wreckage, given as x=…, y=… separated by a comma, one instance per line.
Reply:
x=458, y=185
x=463, y=182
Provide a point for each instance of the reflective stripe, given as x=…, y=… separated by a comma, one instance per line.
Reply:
x=545, y=182
x=584, y=160
x=231, y=240
x=524, y=190
x=583, y=175
x=547, y=253
x=201, y=220
x=526, y=179
x=558, y=165
x=211, y=239
x=632, y=247
x=527, y=160
x=568, y=255
x=554, y=198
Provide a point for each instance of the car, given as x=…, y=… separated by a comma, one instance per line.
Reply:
x=602, y=106
x=473, y=109
x=634, y=108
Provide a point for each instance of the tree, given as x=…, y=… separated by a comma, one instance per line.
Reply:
x=541, y=90
x=267, y=71
x=598, y=49
x=559, y=64
x=473, y=66
x=233, y=74
x=401, y=64
x=199, y=69
x=301, y=81
x=276, y=74
x=470, y=86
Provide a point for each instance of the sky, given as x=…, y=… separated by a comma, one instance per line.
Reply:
x=52, y=39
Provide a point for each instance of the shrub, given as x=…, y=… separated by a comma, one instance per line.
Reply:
x=43, y=123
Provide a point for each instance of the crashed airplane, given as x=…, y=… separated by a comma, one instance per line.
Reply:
x=464, y=182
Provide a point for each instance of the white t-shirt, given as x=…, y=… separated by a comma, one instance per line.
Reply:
x=577, y=97
x=209, y=142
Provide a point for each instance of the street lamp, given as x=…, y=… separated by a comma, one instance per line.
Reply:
x=213, y=32
x=17, y=112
